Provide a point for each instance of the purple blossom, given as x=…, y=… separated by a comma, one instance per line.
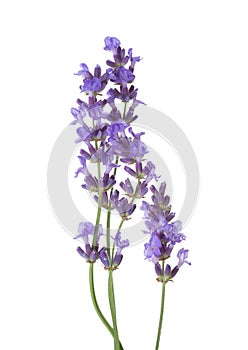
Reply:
x=106, y=260
x=90, y=183
x=98, y=133
x=83, y=170
x=91, y=86
x=182, y=256
x=122, y=76
x=96, y=112
x=127, y=187
x=115, y=115
x=120, y=244
x=147, y=173
x=130, y=117
x=84, y=71
x=140, y=191
x=124, y=208
x=86, y=229
x=107, y=182
x=164, y=235
x=111, y=44
x=83, y=133
x=78, y=114
x=105, y=201
x=130, y=150
x=104, y=255
x=153, y=248
x=115, y=130
x=125, y=94
x=120, y=58
x=133, y=60
x=168, y=273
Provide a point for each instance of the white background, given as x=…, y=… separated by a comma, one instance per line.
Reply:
x=195, y=70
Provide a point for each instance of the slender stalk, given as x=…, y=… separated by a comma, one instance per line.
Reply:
x=108, y=228
x=98, y=217
x=113, y=310
x=111, y=295
x=125, y=109
x=94, y=300
x=109, y=212
x=96, y=305
x=123, y=220
x=161, y=311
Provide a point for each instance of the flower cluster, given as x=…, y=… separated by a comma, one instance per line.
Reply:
x=109, y=141
x=108, y=144
x=164, y=234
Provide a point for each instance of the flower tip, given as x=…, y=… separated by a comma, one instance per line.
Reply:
x=111, y=43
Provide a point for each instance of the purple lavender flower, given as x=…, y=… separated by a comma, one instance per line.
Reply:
x=107, y=182
x=168, y=273
x=84, y=71
x=96, y=112
x=130, y=150
x=127, y=187
x=120, y=58
x=147, y=173
x=116, y=130
x=153, y=247
x=182, y=256
x=78, y=114
x=119, y=243
x=91, y=86
x=125, y=94
x=114, y=116
x=130, y=117
x=86, y=229
x=90, y=183
x=140, y=191
x=124, y=208
x=122, y=76
x=83, y=133
x=164, y=234
x=105, y=200
x=104, y=255
x=84, y=170
x=111, y=44
x=133, y=60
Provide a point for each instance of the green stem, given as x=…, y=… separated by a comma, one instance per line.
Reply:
x=99, y=210
x=113, y=310
x=161, y=310
x=109, y=210
x=98, y=217
x=95, y=303
x=123, y=220
x=94, y=300
x=125, y=109
x=108, y=228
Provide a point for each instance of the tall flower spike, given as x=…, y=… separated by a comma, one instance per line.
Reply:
x=164, y=235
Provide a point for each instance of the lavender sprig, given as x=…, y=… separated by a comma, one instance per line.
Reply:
x=109, y=142
x=164, y=236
